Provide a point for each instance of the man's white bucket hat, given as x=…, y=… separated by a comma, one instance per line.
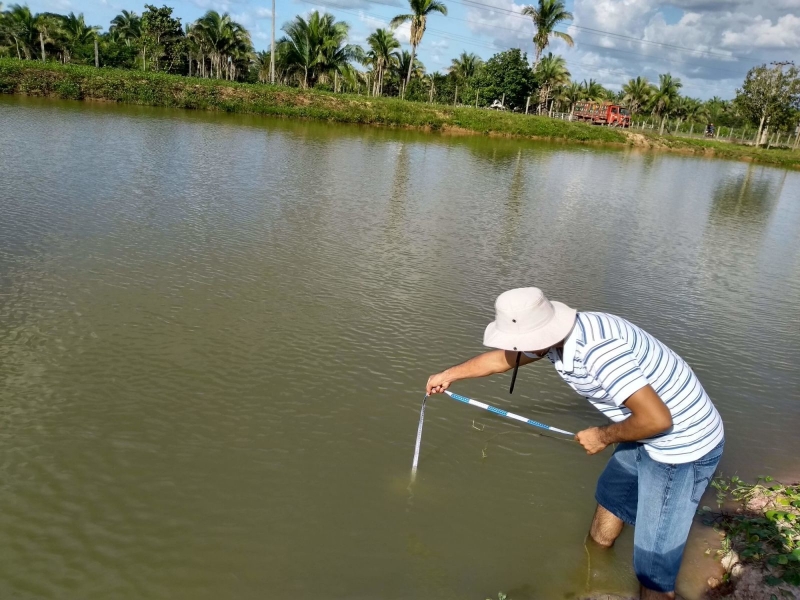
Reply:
x=525, y=321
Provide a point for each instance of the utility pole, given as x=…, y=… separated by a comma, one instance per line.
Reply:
x=527, y=104
x=272, y=49
x=96, y=54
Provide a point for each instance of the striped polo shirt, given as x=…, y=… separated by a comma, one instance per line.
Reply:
x=606, y=359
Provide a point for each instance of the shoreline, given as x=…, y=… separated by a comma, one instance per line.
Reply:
x=89, y=84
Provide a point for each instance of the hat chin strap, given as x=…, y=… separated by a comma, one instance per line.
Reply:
x=514, y=376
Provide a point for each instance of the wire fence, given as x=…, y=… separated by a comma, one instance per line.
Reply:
x=744, y=135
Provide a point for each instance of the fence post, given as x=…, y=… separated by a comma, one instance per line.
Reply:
x=691, y=129
x=743, y=132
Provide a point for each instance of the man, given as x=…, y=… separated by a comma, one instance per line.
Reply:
x=669, y=436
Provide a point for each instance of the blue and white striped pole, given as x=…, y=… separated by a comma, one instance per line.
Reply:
x=504, y=413
x=492, y=409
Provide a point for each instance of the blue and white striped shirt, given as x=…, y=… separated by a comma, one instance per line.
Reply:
x=606, y=359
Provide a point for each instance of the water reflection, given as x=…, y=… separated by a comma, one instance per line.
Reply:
x=746, y=199
x=399, y=189
x=513, y=208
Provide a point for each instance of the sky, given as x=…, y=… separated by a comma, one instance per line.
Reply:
x=709, y=44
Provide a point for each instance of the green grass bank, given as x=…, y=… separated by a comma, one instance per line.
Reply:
x=158, y=89
x=759, y=528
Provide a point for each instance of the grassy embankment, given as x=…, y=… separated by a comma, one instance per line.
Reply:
x=759, y=525
x=155, y=89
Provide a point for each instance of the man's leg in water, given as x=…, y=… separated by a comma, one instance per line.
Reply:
x=606, y=527
x=668, y=498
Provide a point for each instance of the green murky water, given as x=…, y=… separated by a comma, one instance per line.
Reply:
x=215, y=331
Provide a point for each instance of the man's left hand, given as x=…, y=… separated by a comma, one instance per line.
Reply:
x=592, y=440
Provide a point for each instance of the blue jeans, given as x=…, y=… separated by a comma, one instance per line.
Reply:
x=660, y=500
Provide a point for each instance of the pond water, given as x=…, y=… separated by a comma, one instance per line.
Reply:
x=215, y=331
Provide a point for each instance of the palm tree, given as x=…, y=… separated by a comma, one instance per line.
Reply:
x=546, y=17
x=383, y=46
x=227, y=42
x=297, y=49
x=665, y=97
x=551, y=73
x=262, y=61
x=126, y=27
x=19, y=25
x=636, y=94
x=75, y=33
x=688, y=109
x=198, y=46
x=351, y=79
x=315, y=47
x=592, y=90
x=420, y=10
x=716, y=108
x=465, y=66
x=404, y=66
x=571, y=94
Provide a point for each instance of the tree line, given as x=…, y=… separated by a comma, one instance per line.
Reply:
x=314, y=53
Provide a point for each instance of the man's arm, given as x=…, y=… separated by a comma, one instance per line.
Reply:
x=488, y=363
x=649, y=416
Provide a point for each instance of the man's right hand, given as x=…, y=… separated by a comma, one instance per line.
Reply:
x=437, y=383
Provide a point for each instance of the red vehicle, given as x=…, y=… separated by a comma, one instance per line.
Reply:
x=604, y=113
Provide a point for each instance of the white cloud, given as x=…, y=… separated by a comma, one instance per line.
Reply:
x=402, y=33
x=54, y=5
x=351, y=4
x=220, y=7
x=761, y=33
x=506, y=26
x=263, y=13
x=709, y=44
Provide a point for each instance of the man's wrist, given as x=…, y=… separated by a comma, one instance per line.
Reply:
x=450, y=375
x=606, y=434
